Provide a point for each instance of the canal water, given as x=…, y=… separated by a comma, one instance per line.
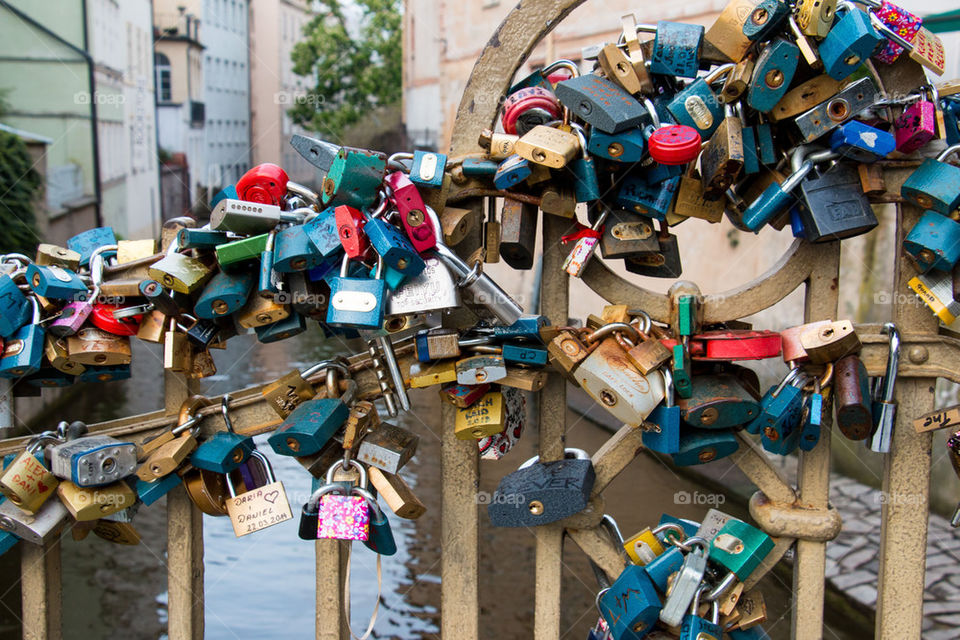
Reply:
x=262, y=585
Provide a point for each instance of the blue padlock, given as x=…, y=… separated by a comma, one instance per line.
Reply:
x=696, y=628
x=14, y=307
x=861, y=142
x=479, y=167
x=697, y=106
x=325, y=270
x=295, y=251
x=427, y=169
x=766, y=150
x=951, y=119
x=23, y=351
x=850, y=42
x=600, y=102
x=527, y=327
x=322, y=232
x=227, y=193
x=356, y=303
x=782, y=403
x=150, y=492
x=934, y=242
x=753, y=633
x=583, y=172
x=676, y=49
x=266, y=284
x=751, y=161
x=765, y=18
x=225, y=294
x=631, y=605
x=226, y=450
x=105, y=373
x=667, y=417
x=380, y=539
x=772, y=74
x=626, y=146
x=55, y=282
x=393, y=247
x=797, y=228
x=652, y=200
x=89, y=241
x=812, y=417
x=512, y=172
x=777, y=197
x=294, y=324
x=311, y=425
x=524, y=355
x=933, y=185
x=700, y=446
x=663, y=566
x=202, y=238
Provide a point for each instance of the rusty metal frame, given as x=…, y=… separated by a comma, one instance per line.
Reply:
x=800, y=516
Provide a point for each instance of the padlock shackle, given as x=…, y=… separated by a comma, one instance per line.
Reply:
x=946, y=153
x=568, y=453
x=370, y=500
x=889, y=33
x=16, y=257
x=42, y=439
x=608, y=523
x=344, y=463
x=265, y=464
x=563, y=63
x=787, y=379
x=303, y=191
x=613, y=327
x=681, y=535
x=314, y=500
x=225, y=411
x=652, y=111
x=722, y=587
x=893, y=363
x=668, y=388
x=722, y=70
x=323, y=365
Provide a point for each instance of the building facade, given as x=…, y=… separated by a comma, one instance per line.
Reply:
x=275, y=27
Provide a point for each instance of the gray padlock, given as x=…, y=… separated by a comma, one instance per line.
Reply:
x=40, y=528
x=434, y=289
x=93, y=461
x=543, y=492
x=388, y=447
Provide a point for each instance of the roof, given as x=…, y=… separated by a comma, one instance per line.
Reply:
x=26, y=135
x=943, y=22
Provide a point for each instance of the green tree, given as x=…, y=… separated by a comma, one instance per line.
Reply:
x=356, y=64
x=19, y=187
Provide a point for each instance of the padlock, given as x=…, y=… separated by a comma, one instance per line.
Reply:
x=643, y=547
x=335, y=511
x=433, y=290
x=88, y=241
x=735, y=345
x=697, y=106
x=388, y=447
x=601, y=103
x=225, y=450
x=93, y=461
x=54, y=282
x=548, y=146
x=767, y=17
x=437, y=343
x=380, y=539
x=723, y=156
x=780, y=405
x=624, y=147
x=55, y=351
x=772, y=74
x=258, y=507
x=653, y=200
x=847, y=103
x=225, y=294
x=518, y=230
x=697, y=627
x=727, y=34
x=916, y=126
x=691, y=202
x=811, y=415
x=91, y=503
x=687, y=581
x=294, y=324
x=585, y=245
x=740, y=548
x=543, y=492
x=895, y=18
x=815, y=17
x=830, y=342
x=935, y=289
x=396, y=493
x=166, y=452
x=412, y=211
x=934, y=242
x=260, y=311
x=310, y=426
x=241, y=251
x=93, y=346
x=180, y=272
x=664, y=263
x=606, y=375
x=631, y=605
x=923, y=47
x=427, y=168
x=854, y=403
x=40, y=528
x=354, y=178
x=777, y=197
x=479, y=369
x=583, y=171
x=51, y=254
x=700, y=446
x=676, y=49
x=14, y=307
x=860, y=142
x=804, y=96
x=483, y=418
x=393, y=246
x=22, y=352
x=616, y=66
x=666, y=417
x=884, y=409
x=930, y=184
x=849, y=43
x=201, y=238
x=511, y=172
x=463, y=395
x=718, y=401
x=357, y=302
x=265, y=184
x=625, y=234
x=499, y=146
x=527, y=108
x=115, y=319
x=26, y=481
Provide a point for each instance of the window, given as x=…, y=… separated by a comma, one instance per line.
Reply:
x=164, y=86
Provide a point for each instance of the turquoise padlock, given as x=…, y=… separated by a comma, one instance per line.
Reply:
x=676, y=49
x=740, y=548
x=226, y=450
x=933, y=185
x=772, y=74
x=295, y=251
x=631, y=605
x=511, y=172
x=381, y=538
x=311, y=425
x=89, y=241
x=105, y=373
x=783, y=402
x=651, y=199
x=322, y=232
x=55, y=282
x=356, y=303
x=393, y=247
x=14, y=307
x=700, y=446
x=50, y=378
x=150, y=492
x=698, y=106
x=354, y=178
x=23, y=351
x=225, y=294
x=294, y=324
x=934, y=242
x=667, y=417
x=427, y=169
x=849, y=43
x=626, y=146
x=583, y=172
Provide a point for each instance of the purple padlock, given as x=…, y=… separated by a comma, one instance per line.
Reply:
x=74, y=314
x=916, y=126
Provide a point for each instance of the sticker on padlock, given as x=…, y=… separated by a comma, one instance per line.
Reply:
x=93, y=460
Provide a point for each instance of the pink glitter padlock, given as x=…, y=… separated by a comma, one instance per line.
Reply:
x=901, y=22
x=74, y=314
x=916, y=126
x=343, y=517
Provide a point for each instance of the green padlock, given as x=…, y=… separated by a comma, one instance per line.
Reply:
x=242, y=250
x=354, y=178
x=740, y=548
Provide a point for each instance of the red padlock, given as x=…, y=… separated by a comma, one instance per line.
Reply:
x=525, y=100
x=413, y=213
x=350, y=223
x=674, y=144
x=793, y=351
x=266, y=183
x=727, y=345
x=102, y=318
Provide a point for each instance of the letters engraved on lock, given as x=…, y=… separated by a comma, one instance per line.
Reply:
x=543, y=492
x=485, y=417
x=27, y=483
x=388, y=447
x=259, y=507
x=92, y=346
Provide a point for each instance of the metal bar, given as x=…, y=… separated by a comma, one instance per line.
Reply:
x=185, y=595
x=906, y=469
x=41, y=610
x=813, y=475
x=597, y=545
x=554, y=303
x=331, y=564
x=615, y=454
x=459, y=533
x=754, y=463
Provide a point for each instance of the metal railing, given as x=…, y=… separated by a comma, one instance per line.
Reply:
x=805, y=508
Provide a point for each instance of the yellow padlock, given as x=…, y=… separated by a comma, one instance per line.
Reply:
x=483, y=418
x=643, y=547
x=91, y=503
x=27, y=483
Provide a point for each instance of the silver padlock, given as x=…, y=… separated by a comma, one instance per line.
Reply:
x=388, y=447
x=884, y=408
x=435, y=289
x=687, y=582
x=251, y=218
x=40, y=528
x=482, y=288
x=93, y=461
